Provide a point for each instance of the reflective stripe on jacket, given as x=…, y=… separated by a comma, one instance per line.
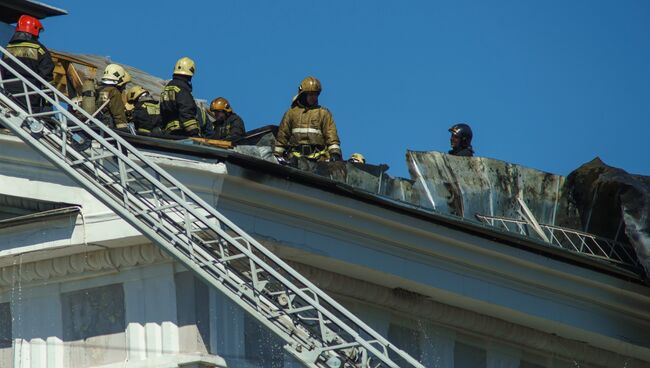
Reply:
x=307, y=126
x=146, y=116
x=177, y=107
x=35, y=56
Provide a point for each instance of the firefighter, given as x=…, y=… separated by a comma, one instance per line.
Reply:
x=357, y=158
x=25, y=46
x=177, y=107
x=307, y=129
x=227, y=125
x=145, y=115
x=110, y=89
x=461, y=140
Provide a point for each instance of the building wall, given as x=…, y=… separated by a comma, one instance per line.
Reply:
x=134, y=304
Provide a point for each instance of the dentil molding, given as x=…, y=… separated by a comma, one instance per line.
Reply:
x=86, y=262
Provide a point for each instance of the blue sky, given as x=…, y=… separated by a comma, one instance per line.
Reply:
x=546, y=84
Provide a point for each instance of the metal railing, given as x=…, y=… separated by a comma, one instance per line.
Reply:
x=572, y=240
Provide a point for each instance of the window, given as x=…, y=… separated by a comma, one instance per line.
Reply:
x=93, y=312
x=468, y=356
x=5, y=325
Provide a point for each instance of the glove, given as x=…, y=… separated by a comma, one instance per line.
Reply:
x=335, y=157
x=281, y=160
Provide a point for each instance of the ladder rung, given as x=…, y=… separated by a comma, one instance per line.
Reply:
x=91, y=159
x=231, y=258
x=157, y=209
x=298, y=310
x=23, y=94
x=10, y=80
x=46, y=113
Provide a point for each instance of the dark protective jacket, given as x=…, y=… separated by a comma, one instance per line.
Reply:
x=177, y=107
x=304, y=127
x=26, y=48
x=113, y=114
x=230, y=129
x=146, y=115
x=465, y=151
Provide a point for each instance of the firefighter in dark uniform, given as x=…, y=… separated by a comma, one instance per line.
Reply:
x=177, y=107
x=228, y=125
x=24, y=45
x=145, y=115
x=461, y=140
x=307, y=129
x=110, y=89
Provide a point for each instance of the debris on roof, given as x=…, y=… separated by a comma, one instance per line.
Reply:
x=611, y=203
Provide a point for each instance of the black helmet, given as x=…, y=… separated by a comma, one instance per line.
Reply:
x=463, y=131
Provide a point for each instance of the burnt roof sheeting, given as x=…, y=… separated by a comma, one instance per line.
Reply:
x=465, y=186
x=610, y=203
x=595, y=198
x=11, y=10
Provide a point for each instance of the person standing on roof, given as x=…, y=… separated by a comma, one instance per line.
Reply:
x=26, y=47
x=307, y=129
x=113, y=82
x=461, y=140
x=177, y=106
x=227, y=125
x=145, y=115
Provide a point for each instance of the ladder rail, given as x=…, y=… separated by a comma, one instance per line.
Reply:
x=122, y=145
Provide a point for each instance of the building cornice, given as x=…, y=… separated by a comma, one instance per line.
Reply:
x=59, y=268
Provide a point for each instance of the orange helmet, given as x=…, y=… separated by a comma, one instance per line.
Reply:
x=29, y=24
x=220, y=104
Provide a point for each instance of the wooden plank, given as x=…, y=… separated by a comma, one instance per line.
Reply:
x=214, y=142
x=56, y=55
x=75, y=79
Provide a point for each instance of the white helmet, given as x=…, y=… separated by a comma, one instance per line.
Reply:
x=115, y=74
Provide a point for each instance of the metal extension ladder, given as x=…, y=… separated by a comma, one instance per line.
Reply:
x=318, y=331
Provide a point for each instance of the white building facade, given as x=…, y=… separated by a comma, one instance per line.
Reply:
x=79, y=287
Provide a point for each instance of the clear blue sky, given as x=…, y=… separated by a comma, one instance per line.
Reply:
x=546, y=84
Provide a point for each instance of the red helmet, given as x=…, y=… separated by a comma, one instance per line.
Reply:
x=29, y=24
